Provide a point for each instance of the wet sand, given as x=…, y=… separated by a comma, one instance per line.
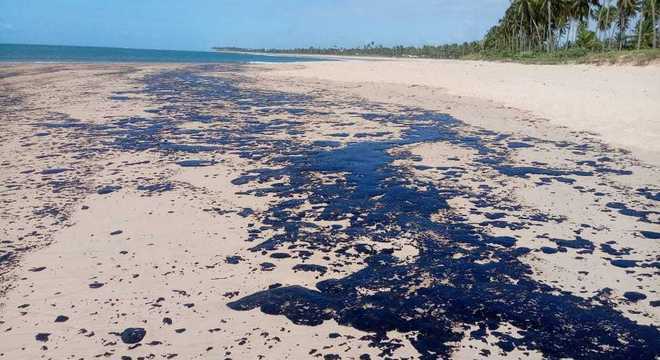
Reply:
x=316, y=211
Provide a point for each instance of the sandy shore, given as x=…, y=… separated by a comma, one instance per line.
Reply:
x=354, y=210
x=618, y=103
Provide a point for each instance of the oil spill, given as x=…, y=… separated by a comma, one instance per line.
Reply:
x=601, y=166
x=132, y=335
x=42, y=337
x=525, y=171
x=311, y=268
x=577, y=243
x=54, y=171
x=196, y=163
x=461, y=277
x=519, y=145
x=108, y=189
x=473, y=279
x=634, y=296
x=651, y=194
x=624, y=263
x=245, y=212
x=642, y=215
x=549, y=250
x=156, y=188
x=609, y=249
x=650, y=234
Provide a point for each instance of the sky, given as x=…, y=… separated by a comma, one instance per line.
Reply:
x=202, y=24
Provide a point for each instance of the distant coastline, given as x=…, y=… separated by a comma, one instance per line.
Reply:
x=564, y=56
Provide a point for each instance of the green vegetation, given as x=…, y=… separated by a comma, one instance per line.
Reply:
x=572, y=56
x=536, y=25
x=541, y=31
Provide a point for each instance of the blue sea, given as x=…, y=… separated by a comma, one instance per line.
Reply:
x=52, y=53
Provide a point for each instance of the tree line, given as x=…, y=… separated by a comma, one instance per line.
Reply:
x=448, y=51
x=534, y=26
x=530, y=25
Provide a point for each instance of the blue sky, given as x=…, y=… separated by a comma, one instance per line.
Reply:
x=201, y=24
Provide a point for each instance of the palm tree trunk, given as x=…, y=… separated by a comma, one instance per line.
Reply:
x=598, y=22
x=521, y=46
x=641, y=28
x=621, y=30
x=655, y=31
x=550, y=40
x=609, y=24
x=538, y=34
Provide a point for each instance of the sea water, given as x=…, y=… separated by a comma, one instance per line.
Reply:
x=56, y=53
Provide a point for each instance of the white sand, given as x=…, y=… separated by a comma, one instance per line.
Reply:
x=619, y=103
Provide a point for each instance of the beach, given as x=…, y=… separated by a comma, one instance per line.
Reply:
x=616, y=103
x=353, y=209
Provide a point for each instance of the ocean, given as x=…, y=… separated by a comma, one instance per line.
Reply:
x=55, y=53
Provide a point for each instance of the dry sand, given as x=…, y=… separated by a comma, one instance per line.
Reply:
x=103, y=224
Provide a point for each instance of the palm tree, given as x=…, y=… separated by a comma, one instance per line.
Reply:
x=580, y=10
x=647, y=24
x=558, y=18
x=550, y=39
x=627, y=9
x=640, y=25
x=606, y=17
x=654, y=23
x=527, y=13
